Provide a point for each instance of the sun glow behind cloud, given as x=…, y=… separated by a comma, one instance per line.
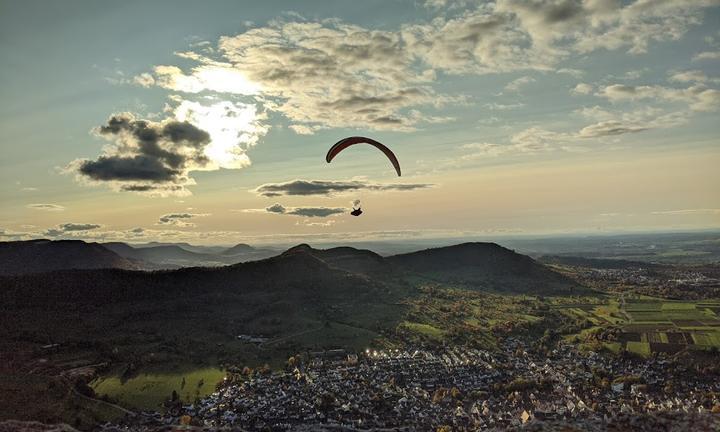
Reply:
x=233, y=127
x=213, y=77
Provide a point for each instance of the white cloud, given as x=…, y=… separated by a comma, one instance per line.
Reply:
x=707, y=55
x=576, y=73
x=535, y=139
x=303, y=129
x=686, y=212
x=503, y=107
x=222, y=78
x=696, y=76
x=333, y=74
x=582, y=89
x=697, y=97
x=516, y=84
x=144, y=80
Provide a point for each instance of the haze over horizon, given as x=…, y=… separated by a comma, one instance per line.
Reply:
x=592, y=117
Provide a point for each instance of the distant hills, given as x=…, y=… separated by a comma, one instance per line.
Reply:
x=23, y=257
x=176, y=255
x=483, y=266
x=34, y=256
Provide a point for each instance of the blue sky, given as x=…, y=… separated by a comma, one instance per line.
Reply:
x=513, y=116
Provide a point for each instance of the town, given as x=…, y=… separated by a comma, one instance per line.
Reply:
x=451, y=389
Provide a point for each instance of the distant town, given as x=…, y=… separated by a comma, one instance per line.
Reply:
x=453, y=389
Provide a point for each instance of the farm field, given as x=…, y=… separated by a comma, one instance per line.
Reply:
x=648, y=325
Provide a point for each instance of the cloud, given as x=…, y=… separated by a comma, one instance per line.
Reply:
x=303, y=129
x=217, y=77
x=582, y=89
x=696, y=76
x=179, y=219
x=156, y=157
x=71, y=228
x=707, y=55
x=323, y=74
x=144, y=80
x=572, y=72
x=612, y=124
x=515, y=85
x=327, y=223
x=326, y=74
x=321, y=212
x=503, y=107
x=609, y=128
x=328, y=188
x=535, y=139
x=686, y=212
x=145, y=155
x=697, y=97
x=78, y=226
x=29, y=189
x=46, y=207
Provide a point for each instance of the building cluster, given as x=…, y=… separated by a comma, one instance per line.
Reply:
x=458, y=388
x=682, y=282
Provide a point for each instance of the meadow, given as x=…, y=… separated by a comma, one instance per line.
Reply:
x=150, y=388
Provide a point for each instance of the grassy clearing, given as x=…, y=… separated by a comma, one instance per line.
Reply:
x=149, y=390
x=425, y=330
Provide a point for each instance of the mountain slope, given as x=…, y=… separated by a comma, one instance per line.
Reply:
x=349, y=259
x=484, y=266
x=290, y=275
x=34, y=256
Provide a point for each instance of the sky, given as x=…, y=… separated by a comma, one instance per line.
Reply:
x=208, y=122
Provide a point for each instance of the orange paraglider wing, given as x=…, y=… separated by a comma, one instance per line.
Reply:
x=347, y=142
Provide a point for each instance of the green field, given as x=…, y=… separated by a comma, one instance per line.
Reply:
x=424, y=329
x=150, y=390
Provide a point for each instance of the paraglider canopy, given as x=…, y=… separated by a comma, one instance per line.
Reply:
x=347, y=142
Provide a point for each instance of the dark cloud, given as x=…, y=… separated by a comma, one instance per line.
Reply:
x=278, y=208
x=78, y=226
x=560, y=12
x=146, y=156
x=70, y=227
x=140, y=167
x=179, y=219
x=275, y=208
x=323, y=187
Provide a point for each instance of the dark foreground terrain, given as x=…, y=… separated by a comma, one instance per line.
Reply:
x=455, y=338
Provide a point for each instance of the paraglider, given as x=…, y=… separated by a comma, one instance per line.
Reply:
x=356, y=211
x=347, y=142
